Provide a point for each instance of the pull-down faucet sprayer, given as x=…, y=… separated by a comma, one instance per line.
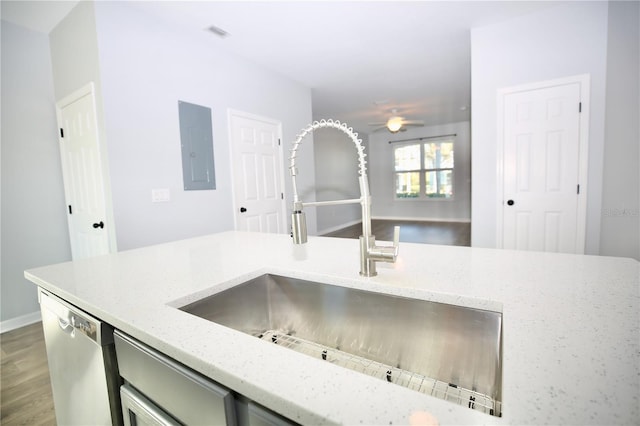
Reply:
x=370, y=253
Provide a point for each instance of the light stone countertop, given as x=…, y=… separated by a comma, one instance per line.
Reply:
x=571, y=324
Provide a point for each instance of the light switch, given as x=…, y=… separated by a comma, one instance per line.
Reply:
x=160, y=195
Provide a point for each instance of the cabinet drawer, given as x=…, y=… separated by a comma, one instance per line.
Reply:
x=260, y=416
x=189, y=397
x=139, y=411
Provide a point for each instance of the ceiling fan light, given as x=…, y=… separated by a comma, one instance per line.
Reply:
x=394, y=124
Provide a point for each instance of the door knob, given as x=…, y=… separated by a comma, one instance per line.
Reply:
x=510, y=202
x=243, y=209
x=98, y=225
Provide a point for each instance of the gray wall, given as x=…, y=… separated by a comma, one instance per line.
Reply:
x=141, y=68
x=565, y=40
x=146, y=66
x=74, y=51
x=620, y=234
x=34, y=224
x=74, y=56
x=385, y=205
x=336, y=161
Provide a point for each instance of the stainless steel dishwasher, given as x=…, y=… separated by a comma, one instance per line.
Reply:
x=82, y=364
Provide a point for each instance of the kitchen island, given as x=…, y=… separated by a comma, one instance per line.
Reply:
x=570, y=324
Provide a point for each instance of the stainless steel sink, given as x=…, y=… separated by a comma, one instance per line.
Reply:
x=448, y=351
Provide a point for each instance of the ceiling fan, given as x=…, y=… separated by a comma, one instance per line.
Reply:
x=396, y=123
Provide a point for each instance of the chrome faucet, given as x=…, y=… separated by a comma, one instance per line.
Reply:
x=370, y=253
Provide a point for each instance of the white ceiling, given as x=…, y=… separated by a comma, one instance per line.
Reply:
x=413, y=55
x=41, y=16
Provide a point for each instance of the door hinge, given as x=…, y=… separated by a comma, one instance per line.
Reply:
x=578, y=190
x=70, y=211
x=61, y=132
x=579, y=106
x=278, y=141
x=282, y=196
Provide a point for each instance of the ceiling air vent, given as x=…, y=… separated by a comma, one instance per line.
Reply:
x=218, y=31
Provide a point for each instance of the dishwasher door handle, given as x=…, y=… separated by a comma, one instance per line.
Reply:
x=66, y=326
x=71, y=322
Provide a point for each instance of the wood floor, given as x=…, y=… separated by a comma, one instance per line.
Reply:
x=445, y=233
x=25, y=388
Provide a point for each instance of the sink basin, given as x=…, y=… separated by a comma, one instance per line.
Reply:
x=448, y=351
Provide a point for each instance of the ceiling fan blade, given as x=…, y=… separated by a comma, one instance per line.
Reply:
x=377, y=129
x=382, y=123
x=413, y=123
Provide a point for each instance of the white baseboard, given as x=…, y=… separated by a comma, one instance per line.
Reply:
x=339, y=227
x=13, y=323
x=422, y=219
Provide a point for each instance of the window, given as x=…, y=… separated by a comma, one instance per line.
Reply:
x=424, y=170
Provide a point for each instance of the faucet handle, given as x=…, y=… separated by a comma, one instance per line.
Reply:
x=396, y=240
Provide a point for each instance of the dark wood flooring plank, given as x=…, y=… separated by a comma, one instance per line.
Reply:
x=445, y=233
x=25, y=388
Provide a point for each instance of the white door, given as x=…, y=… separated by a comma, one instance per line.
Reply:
x=257, y=173
x=82, y=172
x=542, y=187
